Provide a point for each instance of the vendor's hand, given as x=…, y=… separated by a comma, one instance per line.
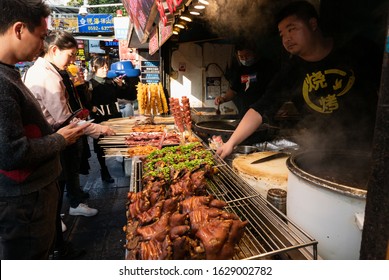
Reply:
x=225, y=150
x=72, y=132
x=219, y=100
x=107, y=131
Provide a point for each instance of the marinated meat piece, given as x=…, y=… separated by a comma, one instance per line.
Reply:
x=236, y=233
x=213, y=235
x=154, y=250
x=170, y=205
x=197, y=251
x=176, y=111
x=132, y=243
x=152, y=214
x=157, y=192
x=217, y=203
x=130, y=229
x=186, y=110
x=197, y=219
x=138, y=206
x=181, y=248
x=178, y=219
x=134, y=196
x=157, y=230
x=178, y=231
x=198, y=182
x=194, y=202
x=202, y=215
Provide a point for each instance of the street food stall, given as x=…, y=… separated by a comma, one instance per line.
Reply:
x=184, y=202
x=237, y=180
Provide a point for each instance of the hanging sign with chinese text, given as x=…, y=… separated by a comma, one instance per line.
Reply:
x=93, y=23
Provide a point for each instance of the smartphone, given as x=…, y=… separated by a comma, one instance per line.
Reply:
x=85, y=121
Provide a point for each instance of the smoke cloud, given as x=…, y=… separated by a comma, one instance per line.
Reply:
x=244, y=19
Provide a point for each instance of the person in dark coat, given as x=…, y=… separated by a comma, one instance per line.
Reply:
x=29, y=147
x=105, y=104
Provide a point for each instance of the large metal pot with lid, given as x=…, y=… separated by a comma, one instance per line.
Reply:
x=327, y=197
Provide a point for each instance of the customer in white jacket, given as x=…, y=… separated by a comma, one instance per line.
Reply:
x=46, y=83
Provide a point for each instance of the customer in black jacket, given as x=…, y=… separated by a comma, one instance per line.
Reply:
x=105, y=105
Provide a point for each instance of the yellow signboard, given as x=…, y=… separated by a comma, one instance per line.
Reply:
x=67, y=24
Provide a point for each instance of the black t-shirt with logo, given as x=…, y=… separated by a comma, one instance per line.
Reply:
x=336, y=97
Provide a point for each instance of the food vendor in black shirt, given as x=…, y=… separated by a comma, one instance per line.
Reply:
x=334, y=86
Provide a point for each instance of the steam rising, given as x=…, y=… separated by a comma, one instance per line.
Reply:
x=243, y=19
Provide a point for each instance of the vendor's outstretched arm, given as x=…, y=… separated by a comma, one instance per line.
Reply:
x=247, y=126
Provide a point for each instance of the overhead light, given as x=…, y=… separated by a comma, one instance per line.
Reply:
x=199, y=6
x=193, y=11
x=186, y=18
x=176, y=31
x=179, y=25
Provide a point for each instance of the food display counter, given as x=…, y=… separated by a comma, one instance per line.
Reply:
x=269, y=234
x=247, y=226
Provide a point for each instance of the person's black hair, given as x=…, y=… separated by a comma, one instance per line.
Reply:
x=62, y=39
x=98, y=62
x=301, y=9
x=29, y=12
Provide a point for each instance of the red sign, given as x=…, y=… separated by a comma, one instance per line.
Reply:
x=153, y=42
x=164, y=33
x=142, y=13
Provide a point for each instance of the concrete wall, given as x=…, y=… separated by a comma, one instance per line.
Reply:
x=192, y=64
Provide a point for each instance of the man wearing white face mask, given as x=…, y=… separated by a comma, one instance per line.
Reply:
x=249, y=80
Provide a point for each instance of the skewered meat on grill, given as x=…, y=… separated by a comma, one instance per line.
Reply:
x=176, y=111
x=186, y=111
x=151, y=138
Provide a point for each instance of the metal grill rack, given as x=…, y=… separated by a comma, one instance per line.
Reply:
x=269, y=233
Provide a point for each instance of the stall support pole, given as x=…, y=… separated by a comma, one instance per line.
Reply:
x=375, y=235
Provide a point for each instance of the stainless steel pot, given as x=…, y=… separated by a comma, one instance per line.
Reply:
x=327, y=198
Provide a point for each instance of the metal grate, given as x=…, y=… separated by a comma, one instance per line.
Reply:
x=269, y=233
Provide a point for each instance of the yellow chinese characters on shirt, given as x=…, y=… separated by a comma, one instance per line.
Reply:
x=335, y=83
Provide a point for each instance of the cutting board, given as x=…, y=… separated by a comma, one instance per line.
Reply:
x=262, y=176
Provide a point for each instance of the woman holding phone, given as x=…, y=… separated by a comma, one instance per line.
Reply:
x=105, y=104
